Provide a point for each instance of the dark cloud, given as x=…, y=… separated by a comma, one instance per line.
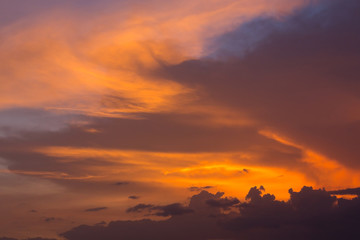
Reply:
x=157, y=132
x=300, y=80
x=195, y=189
x=164, y=133
x=171, y=210
x=312, y=201
x=255, y=193
x=133, y=197
x=195, y=224
x=308, y=214
x=162, y=211
x=348, y=191
x=122, y=183
x=140, y=207
x=225, y=203
x=96, y=209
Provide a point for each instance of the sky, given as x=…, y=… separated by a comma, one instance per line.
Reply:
x=206, y=119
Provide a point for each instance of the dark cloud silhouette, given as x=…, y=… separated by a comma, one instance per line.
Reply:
x=225, y=203
x=96, y=209
x=133, y=197
x=163, y=211
x=300, y=79
x=195, y=189
x=171, y=210
x=348, y=191
x=195, y=224
x=122, y=183
x=140, y=207
x=308, y=214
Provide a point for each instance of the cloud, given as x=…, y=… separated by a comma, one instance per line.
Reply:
x=171, y=210
x=309, y=213
x=140, y=207
x=161, y=211
x=349, y=191
x=186, y=222
x=121, y=183
x=274, y=101
x=299, y=81
x=15, y=122
x=97, y=67
x=225, y=203
x=133, y=197
x=195, y=189
x=95, y=209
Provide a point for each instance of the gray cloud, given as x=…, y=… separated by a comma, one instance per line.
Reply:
x=301, y=79
x=308, y=214
x=195, y=189
x=161, y=211
x=133, y=197
x=16, y=122
x=225, y=203
x=140, y=207
x=95, y=209
x=348, y=191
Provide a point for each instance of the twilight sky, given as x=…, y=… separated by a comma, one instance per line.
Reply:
x=171, y=111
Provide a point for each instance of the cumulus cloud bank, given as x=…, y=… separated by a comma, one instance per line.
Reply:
x=308, y=214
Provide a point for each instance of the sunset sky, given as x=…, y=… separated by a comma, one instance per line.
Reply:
x=114, y=110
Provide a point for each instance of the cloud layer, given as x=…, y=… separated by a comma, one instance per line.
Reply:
x=105, y=101
x=309, y=214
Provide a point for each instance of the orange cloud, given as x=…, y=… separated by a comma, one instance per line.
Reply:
x=234, y=172
x=325, y=172
x=57, y=61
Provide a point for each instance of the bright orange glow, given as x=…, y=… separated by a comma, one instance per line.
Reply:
x=182, y=170
x=105, y=73
x=100, y=72
x=326, y=172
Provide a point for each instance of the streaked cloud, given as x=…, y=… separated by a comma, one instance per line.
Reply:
x=105, y=101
